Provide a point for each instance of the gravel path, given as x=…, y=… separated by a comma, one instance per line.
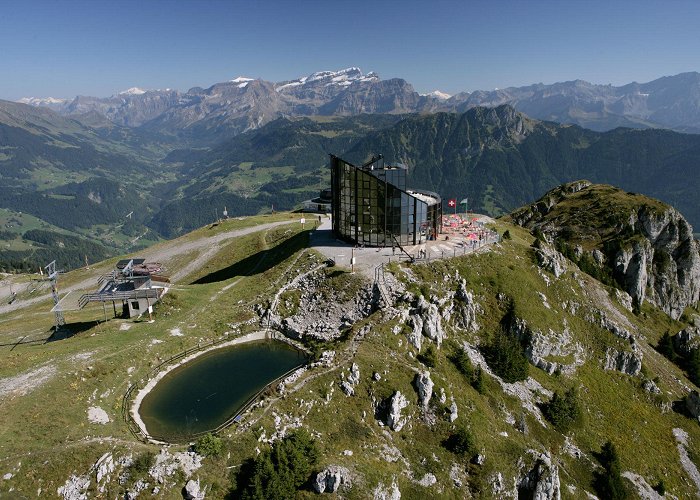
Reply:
x=162, y=253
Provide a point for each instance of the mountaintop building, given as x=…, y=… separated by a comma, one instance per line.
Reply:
x=371, y=205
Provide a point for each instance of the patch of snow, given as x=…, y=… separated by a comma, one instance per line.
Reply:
x=175, y=332
x=97, y=415
x=242, y=79
x=438, y=95
x=132, y=91
x=42, y=101
x=242, y=85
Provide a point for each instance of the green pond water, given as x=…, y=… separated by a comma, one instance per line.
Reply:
x=205, y=392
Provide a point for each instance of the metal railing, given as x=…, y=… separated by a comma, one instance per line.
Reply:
x=114, y=296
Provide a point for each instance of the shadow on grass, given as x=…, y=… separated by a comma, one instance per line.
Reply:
x=258, y=262
x=71, y=329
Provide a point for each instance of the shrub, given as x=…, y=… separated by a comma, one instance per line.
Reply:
x=209, y=445
x=428, y=357
x=280, y=471
x=505, y=356
x=141, y=464
x=461, y=361
x=506, y=235
x=609, y=483
x=665, y=347
x=461, y=442
x=660, y=488
x=478, y=380
x=564, y=411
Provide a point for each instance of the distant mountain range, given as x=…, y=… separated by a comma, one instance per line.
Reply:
x=172, y=161
x=229, y=108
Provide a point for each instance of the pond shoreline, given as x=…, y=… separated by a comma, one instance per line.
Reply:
x=136, y=405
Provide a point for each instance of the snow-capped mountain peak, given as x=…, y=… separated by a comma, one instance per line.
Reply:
x=343, y=78
x=438, y=95
x=42, y=101
x=132, y=91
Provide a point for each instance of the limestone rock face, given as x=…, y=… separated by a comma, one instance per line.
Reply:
x=666, y=262
x=330, y=479
x=467, y=308
x=629, y=362
x=543, y=480
x=686, y=340
x=549, y=259
x=193, y=491
x=646, y=246
x=354, y=377
x=391, y=492
x=415, y=338
x=424, y=386
x=432, y=325
x=395, y=420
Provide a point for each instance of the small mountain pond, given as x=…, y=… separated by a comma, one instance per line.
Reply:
x=203, y=393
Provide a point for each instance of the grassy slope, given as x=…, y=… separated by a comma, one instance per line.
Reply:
x=49, y=433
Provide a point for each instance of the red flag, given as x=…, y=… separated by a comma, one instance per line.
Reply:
x=452, y=202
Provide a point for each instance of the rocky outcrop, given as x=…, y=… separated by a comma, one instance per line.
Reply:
x=395, y=420
x=391, y=492
x=193, y=491
x=466, y=308
x=432, y=324
x=629, y=362
x=686, y=340
x=692, y=404
x=663, y=260
x=542, y=482
x=424, y=387
x=549, y=259
x=647, y=247
x=348, y=386
x=561, y=345
x=75, y=488
x=331, y=478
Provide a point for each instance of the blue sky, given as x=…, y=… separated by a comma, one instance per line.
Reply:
x=67, y=48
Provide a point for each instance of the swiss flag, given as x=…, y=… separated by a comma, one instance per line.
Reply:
x=452, y=202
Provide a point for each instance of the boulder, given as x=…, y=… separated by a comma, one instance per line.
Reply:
x=542, y=482
x=428, y=480
x=354, y=377
x=395, y=420
x=424, y=386
x=415, y=337
x=193, y=491
x=347, y=388
x=453, y=411
x=331, y=478
x=432, y=325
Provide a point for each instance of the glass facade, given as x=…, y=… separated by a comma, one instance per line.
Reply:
x=371, y=205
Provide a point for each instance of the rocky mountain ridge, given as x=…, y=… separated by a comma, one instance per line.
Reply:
x=244, y=103
x=646, y=247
